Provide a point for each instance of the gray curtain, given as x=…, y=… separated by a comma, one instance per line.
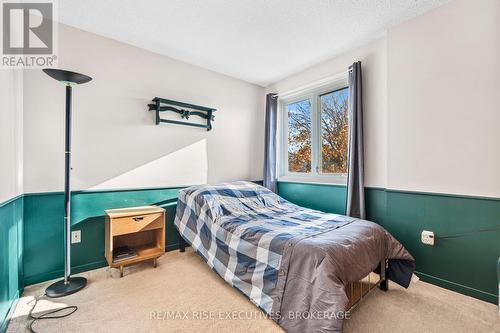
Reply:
x=270, y=142
x=355, y=205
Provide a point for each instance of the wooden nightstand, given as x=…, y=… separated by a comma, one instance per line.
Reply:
x=141, y=229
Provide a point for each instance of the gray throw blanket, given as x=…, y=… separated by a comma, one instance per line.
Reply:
x=310, y=294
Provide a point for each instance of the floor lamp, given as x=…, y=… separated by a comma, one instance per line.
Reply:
x=68, y=285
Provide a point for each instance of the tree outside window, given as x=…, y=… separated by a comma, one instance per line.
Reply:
x=334, y=131
x=299, y=136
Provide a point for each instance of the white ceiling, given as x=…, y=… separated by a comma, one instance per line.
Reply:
x=260, y=41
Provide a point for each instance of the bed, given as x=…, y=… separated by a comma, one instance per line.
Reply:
x=298, y=265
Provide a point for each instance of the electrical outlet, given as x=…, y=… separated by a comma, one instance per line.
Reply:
x=76, y=236
x=428, y=237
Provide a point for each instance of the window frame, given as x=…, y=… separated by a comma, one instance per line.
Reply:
x=314, y=95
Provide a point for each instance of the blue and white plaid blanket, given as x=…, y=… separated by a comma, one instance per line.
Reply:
x=241, y=229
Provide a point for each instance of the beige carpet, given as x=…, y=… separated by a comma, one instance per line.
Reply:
x=182, y=285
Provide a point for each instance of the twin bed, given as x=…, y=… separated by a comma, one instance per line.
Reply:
x=298, y=265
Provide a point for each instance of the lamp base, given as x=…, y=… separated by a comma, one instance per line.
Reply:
x=60, y=289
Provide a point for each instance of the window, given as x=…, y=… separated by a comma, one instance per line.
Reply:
x=315, y=131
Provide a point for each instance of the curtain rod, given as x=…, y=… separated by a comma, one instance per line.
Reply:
x=314, y=84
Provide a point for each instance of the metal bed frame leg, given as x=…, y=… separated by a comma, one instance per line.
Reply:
x=384, y=283
x=182, y=244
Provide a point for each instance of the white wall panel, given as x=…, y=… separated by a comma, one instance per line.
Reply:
x=113, y=133
x=11, y=129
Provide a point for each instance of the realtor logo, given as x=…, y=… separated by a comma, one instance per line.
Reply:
x=28, y=34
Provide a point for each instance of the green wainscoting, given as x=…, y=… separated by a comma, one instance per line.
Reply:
x=11, y=253
x=326, y=198
x=31, y=232
x=43, y=228
x=466, y=264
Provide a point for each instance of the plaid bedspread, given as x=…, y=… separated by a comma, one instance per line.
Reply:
x=241, y=229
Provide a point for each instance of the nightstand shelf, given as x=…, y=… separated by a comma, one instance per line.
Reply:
x=141, y=229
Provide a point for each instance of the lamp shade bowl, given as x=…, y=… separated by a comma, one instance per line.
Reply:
x=67, y=76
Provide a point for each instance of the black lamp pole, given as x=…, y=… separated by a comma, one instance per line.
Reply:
x=68, y=285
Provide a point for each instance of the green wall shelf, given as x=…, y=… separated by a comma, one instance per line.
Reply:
x=184, y=109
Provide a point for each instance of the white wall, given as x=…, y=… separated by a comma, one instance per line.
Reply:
x=431, y=100
x=11, y=129
x=431, y=97
x=373, y=58
x=444, y=100
x=116, y=143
